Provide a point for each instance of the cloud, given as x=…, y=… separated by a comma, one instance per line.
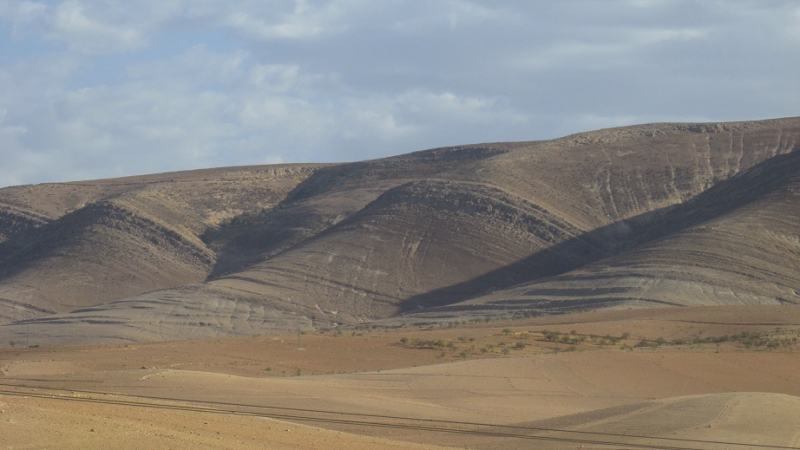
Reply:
x=105, y=88
x=87, y=27
x=21, y=13
x=276, y=19
x=70, y=22
x=203, y=108
x=430, y=17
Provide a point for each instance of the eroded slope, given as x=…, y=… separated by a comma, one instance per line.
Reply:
x=72, y=245
x=652, y=214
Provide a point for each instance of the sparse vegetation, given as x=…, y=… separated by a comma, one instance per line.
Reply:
x=746, y=339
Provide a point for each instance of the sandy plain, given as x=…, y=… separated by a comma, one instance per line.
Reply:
x=477, y=385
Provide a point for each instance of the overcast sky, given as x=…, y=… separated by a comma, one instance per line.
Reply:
x=105, y=88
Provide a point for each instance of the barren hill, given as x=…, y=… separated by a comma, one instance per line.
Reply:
x=660, y=214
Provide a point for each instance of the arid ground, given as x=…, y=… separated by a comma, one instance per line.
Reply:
x=635, y=287
x=666, y=378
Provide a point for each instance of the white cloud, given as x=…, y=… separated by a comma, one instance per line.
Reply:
x=21, y=164
x=105, y=87
x=285, y=20
x=70, y=23
x=274, y=77
x=35, y=82
x=450, y=15
x=88, y=27
x=616, y=48
x=646, y=3
x=259, y=28
x=21, y=11
x=794, y=24
x=197, y=109
x=482, y=111
x=196, y=68
x=374, y=125
x=658, y=35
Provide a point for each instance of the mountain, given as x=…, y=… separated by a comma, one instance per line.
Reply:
x=642, y=216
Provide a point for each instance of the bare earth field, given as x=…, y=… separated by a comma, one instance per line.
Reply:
x=681, y=378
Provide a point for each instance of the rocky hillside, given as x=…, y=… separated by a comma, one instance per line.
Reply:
x=650, y=215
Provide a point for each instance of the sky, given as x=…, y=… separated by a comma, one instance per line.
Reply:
x=105, y=88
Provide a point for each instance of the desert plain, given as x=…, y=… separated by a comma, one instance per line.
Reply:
x=678, y=380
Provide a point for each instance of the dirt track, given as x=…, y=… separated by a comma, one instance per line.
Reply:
x=685, y=396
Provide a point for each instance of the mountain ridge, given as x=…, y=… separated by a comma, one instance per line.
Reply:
x=610, y=218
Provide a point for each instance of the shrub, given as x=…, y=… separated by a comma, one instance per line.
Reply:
x=552, y=336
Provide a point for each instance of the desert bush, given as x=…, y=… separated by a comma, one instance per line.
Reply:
x=552, y=336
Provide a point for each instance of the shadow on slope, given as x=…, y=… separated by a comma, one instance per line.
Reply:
x=98, y=253
x=327, y=197
x=722, y=198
